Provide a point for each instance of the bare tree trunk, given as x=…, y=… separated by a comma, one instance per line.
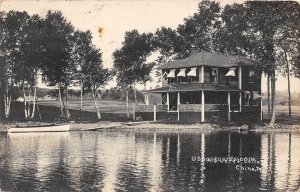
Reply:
x=96, y=104
x=127, y=107
x=289, y=83
x=34, y=97
x=60, y=101
x=38, y=109
x=134, y=91
x=29, y=102
x=7, y=102
x=272, y=122
x=25, y=101
x=81, y=95
x=1, y=100
x=67, y=107
x=5, y=105
x=268, y=85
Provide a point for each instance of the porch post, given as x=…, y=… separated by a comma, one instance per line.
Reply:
x=240, y=87
x=154, y=112
x=168, y=100
x=202, y=74
x=228, y=105
x=147, y=99
x=178, y=103
x=202, y=106
x=261, y=112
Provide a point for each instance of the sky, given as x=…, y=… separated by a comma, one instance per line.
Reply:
x=114, y=18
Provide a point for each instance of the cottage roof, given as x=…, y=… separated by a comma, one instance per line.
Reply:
x=194, y=87
x=209, y=59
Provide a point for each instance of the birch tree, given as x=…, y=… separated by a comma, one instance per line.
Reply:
x=57, y=69
x=82, y=49
x=97, y=76
x=129, y=61
x=13, y=34
x=137, y=48
x=27, y=61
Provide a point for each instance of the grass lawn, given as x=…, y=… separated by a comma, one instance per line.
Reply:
x=284, y=109
x=105, y=106
x=50, y=111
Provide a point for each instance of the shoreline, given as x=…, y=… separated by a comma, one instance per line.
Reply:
x=107, y=125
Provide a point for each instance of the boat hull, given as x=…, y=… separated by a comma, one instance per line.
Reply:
x=57, y=128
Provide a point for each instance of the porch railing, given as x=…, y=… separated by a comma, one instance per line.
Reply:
x=144, y=108
x=150, y=108
x=221, y=109
x=190, y=108
x=161, y=108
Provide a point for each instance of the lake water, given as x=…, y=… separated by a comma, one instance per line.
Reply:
x=150, y=161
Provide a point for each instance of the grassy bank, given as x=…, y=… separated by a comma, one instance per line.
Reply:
x=51, y=113
x=114, y=112
x=105, y=106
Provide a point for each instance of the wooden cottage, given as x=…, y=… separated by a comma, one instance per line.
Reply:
x=206, y=86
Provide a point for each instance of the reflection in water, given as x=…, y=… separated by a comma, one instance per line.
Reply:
x=149, y=161
x=202, y=165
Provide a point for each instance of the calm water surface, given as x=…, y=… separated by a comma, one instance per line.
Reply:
x=149, y=161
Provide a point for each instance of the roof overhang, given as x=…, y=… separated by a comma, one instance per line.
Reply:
x=190, y=87
x=209, y=59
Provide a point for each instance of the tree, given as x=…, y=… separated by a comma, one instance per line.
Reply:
x=82, y=49
x=167, y=42
x=287, y=43
x=129, y=61
x=27, y=61
x=57, y=69
x=265, y=20
x=196, y=32
x=97, y=77
x=2, y=64
x=13, y=36
x=232, y=36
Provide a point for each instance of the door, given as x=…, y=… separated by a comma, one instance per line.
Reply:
x=173, y=102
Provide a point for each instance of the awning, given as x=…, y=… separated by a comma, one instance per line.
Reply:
x=192, y=72
x=231, y=72
x=192, y=87
x=246, y=94
x=171, y=73
x=256, y=95
x=181, y=73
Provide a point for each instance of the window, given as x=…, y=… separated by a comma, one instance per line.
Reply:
x=231, y=75
x=251, y=75
x=251, y=72
x=181, y=76
x=214, y=75
x=192, y=75
x=164, y=78
x=171, y=76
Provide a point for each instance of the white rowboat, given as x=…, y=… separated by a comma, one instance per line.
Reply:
x=49, y=128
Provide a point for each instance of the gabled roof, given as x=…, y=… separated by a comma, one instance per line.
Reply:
x=194, y=87
x=209, y=59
